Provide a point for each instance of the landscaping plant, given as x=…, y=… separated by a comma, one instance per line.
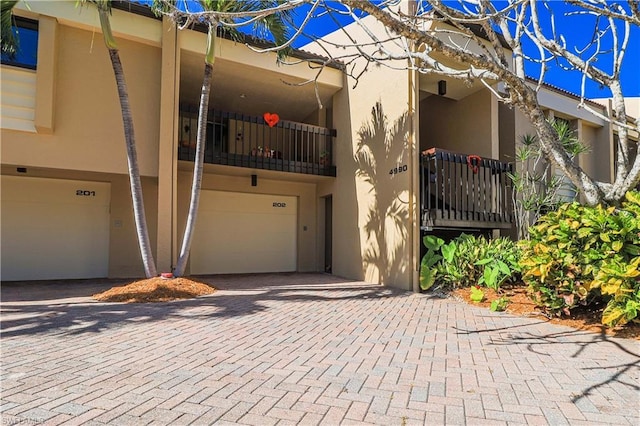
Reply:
x=535, y=187
x=468, y=260
x=580, y=255
x=477, y=295
x=500, y=304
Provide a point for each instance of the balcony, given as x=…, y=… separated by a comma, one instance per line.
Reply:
x=240, y=140
x=462, y=191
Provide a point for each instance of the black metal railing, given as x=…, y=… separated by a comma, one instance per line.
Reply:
x=236, y=139
x=464, y=191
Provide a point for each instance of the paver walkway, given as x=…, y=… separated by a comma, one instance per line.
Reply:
x=301, y=348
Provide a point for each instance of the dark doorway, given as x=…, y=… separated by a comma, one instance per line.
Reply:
x=328, y=231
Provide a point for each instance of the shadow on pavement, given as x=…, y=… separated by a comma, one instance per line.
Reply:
x=578, y=342
x=66, y=307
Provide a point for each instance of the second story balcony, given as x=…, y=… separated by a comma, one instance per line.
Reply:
x=461, y=191
x=240, y=140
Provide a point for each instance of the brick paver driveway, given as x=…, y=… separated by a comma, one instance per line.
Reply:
x=304, y=349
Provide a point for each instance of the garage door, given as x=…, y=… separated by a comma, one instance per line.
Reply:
x=242, y=233
x=53, y=228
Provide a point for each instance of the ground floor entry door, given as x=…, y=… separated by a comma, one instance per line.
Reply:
x=244, y=233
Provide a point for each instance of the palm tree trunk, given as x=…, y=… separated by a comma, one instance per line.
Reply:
x=132, y=157
x=197, y=170
x=277, y=28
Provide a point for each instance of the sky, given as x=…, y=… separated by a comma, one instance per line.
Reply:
x=579, y=29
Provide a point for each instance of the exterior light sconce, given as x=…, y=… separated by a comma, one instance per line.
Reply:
x=254, y=180
x=442, y=87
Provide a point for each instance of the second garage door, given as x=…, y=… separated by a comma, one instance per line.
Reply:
x=244, y=233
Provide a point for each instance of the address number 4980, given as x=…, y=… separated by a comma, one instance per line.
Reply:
x=398, y=169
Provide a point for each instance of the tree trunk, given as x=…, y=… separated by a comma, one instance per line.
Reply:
x=198, y=167
x=555, y=153
x=132, y=158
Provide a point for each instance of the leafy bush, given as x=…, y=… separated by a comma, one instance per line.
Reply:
x=581, y=255
x=468, y=260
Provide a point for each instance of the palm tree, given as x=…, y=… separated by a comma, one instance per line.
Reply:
x=274, y=25
x=104, y=10
x=8, y=41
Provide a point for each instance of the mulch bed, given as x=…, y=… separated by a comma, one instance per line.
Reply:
x=155, y=289
x=581, y=318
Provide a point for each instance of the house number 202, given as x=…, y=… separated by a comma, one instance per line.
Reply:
x=85, y=193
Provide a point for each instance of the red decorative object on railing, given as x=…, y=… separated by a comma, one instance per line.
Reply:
x=271, y=119
x=475, y=166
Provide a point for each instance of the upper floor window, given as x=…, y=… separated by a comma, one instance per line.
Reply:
x=26, y=34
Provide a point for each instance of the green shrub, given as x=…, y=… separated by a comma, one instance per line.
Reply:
x=581, y=255
x=468, y=260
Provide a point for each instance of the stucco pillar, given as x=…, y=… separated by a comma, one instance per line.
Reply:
x=167, y=148
x=46, y=74
x=495, y=127
x=606, y=139
x=414, y=197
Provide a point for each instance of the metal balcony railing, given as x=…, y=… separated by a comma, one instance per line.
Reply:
x=464, y=191
x=240, y=140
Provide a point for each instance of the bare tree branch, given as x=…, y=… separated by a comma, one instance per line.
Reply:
x=488, y=42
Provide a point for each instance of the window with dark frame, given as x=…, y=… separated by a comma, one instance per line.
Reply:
x=26, y=56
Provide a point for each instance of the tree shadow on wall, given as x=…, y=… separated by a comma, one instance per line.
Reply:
x=381, y=158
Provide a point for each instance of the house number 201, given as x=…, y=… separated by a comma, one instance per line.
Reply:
x=85, y=193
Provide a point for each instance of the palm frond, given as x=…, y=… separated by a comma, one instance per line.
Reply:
x=9, y=39
x=272, y=27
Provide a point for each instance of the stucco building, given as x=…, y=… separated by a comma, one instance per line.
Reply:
x=333, y=189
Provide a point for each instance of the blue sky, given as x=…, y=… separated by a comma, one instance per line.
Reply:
x=575, y=28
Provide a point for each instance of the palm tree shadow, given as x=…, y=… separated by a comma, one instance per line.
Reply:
x=381, y=155
x=80, y=314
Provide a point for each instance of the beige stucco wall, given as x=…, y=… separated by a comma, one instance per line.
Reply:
x=465, y=126
x=307, y=210
x=79, y=133
x=373, y=224
x=507, y=132
x=88, y=124
x=598, y=161
x=87, y=140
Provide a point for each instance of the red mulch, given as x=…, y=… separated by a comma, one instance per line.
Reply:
x=155, y=289
x=582, y=319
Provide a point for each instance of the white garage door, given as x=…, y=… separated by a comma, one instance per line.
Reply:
x=242, y=233
x=53, y=228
